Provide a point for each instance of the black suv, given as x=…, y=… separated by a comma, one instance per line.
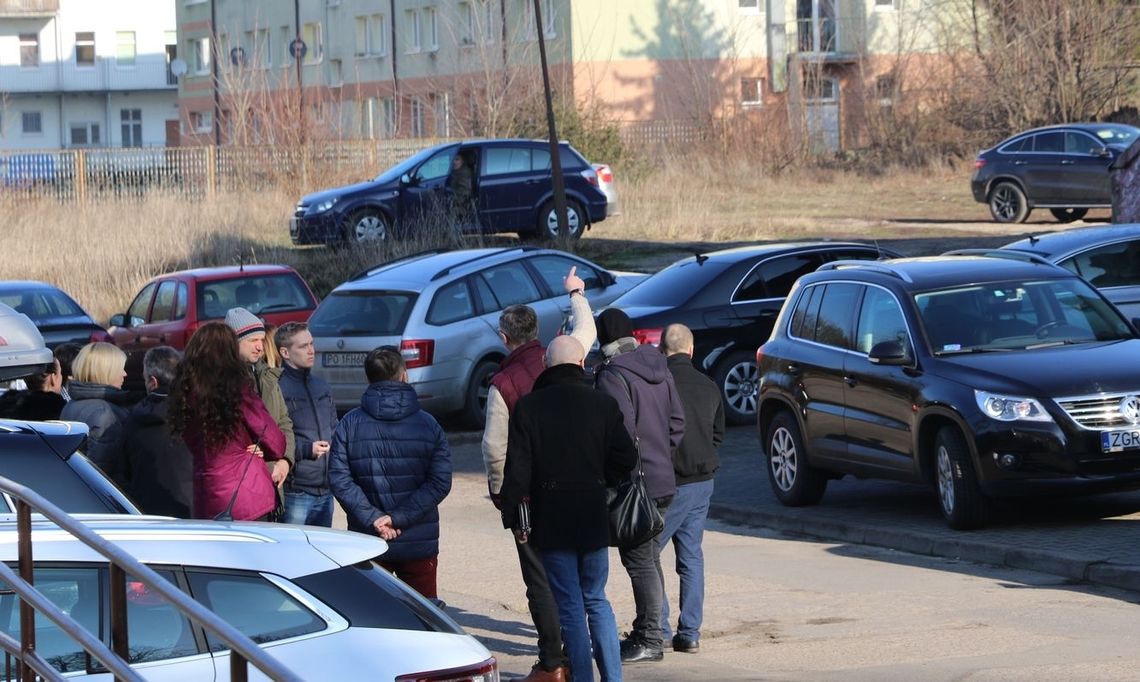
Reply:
x=984, y=376
x=1061, y=168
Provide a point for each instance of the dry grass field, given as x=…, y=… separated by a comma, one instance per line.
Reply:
x=102, y=252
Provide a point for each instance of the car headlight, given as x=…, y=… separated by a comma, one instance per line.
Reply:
x=1006, y=408
x=324, y=205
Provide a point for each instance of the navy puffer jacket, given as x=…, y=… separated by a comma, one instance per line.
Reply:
x=390, y=458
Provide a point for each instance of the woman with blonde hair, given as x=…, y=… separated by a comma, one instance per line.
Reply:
x=99, y=401
x=272, y=354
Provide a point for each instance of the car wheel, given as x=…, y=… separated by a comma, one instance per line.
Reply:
x=475, y=405
x=738, y=379
x=963, y=504
x=1008, y=204
x=367, y=226
x=548, y=221
x=794, y=482
x=1068, y=215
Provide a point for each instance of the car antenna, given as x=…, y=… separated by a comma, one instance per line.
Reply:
x=878, y=249
x=701, y=258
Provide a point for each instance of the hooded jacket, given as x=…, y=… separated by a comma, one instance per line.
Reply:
x=391, y=458
x=159, y=471
x=104, y=410
x=313, y=413
x=651, y=407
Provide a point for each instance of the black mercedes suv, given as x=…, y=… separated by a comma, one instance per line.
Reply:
x=984, y=376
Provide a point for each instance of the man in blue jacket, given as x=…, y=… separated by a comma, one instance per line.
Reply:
x=308, y=500
x=390, y=468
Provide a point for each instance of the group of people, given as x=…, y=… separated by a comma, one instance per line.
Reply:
x=557, y=437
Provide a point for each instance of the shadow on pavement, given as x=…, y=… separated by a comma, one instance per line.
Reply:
x=478, y=624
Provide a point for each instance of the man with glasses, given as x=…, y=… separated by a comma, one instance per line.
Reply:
x=518, y=328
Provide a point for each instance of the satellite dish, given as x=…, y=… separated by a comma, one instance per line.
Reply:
x=178, y=67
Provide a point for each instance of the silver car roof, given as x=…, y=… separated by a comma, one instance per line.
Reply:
x=286, y=550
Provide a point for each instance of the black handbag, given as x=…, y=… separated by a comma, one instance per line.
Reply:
x=634, y=517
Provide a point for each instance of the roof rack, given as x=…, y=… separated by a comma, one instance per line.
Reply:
x=1008, y=254
x=866, y=265
x=367, y=272
x=460, y=264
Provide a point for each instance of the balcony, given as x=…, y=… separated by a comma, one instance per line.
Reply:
x=824, y=38
x=149, y=72
x=28, y=8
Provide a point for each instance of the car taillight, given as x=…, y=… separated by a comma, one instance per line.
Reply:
x=605, y=174
x=978, y=163
x=417, y=352
x=487, y=671
x=650, y=336
x=759, y=355
x=591, y=176
x=100, y=335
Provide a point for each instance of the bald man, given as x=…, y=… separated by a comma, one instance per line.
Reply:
x=566, y=444
x=694, y=463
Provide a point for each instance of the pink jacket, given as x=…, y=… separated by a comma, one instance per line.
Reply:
x=217, y=472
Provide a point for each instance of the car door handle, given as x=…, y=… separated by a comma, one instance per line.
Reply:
x=768, y=313
x=1067, y=162
x=1020, y=163
x=850, y=381
x=531, y=182
x=793, y=369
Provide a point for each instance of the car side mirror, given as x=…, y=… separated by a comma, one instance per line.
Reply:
x=118, y=320
x=407, y=179
x=888, y=353
x=608, y=278
x=1104, y=153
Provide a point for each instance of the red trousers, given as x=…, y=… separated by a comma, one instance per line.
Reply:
x=419, y=574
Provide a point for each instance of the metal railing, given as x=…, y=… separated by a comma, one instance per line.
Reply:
x=31, y=666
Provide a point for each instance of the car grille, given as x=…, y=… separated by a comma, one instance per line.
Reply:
x=300, y=210
x=1096, y=411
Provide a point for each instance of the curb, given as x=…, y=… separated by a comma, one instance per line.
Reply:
x=1092, y=570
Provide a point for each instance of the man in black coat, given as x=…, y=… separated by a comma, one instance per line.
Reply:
x=694, y=462
x=566, y=443
x=159, y=470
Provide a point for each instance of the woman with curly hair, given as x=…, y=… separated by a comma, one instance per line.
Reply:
x=215, y=407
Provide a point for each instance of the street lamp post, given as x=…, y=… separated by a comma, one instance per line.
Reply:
x=555, y=156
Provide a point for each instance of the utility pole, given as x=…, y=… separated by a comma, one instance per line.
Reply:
x=214, y=55
x=298, y=56
x=555, y=156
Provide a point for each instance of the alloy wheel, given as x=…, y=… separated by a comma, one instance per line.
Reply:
x=945, y=480
x=1006, y=203
x=740, y=386
x=783, y=459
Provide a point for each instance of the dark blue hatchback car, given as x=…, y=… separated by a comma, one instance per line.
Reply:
x=512, y=192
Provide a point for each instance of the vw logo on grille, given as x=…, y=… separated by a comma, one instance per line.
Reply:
x=1130, y=408
x=340, y=344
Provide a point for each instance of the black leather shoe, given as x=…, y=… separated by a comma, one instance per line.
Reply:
x=633, y=651
x=686, y=645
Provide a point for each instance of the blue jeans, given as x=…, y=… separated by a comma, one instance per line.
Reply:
x=305, y=509
x=578, y=581
x=685, y=526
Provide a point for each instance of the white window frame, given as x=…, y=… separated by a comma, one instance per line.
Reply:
x=24, y=42
x=417, y=116
x=759, y=101
x=441, y=114
x=336, y=72
x=431, y=19
x=388, y=116
x=413, y=31
x=127, y=121
x=24, y=120
x=85, y=43
x=88, y=127
x=466, y=11
x=370, y=36
x=120, y=43
x=490, y=17
x=201, y=55
x=751, y=9
x=202, y=121
x=262, y=48
x=315, y=48
x=287, y=37
x=886, y=6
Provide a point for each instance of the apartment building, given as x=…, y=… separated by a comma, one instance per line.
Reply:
x=87, y=73
x=421, y=68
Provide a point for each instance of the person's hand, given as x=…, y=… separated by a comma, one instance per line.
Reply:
x=572, y=281
x=321, y=448
x=280, y=472
x=384, y=529
x=521, y=536
x=254, y=450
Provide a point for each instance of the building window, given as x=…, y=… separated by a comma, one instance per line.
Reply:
x=417, y=117
x=200, y=53
x=202, y=121
x=287, y=37
x=466, y=23
x=751, y=91
x=260, y=49
x=85, y=135
x=412, y=30
x=312, y=37
x=885, y=88
x=131, y=120
x=886, y=4
x=32, y=122
x=85, y=48
x=370, y=36
x=125, y=48
x=441, y=113
x=530, y=31
x=432, y=29
x=336, y=72
x=389, y=114
x=820, y=88
x=29, y=49
x=749, y=6
x=487, y=23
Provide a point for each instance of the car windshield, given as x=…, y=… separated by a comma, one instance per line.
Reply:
x=41, y=304
x=1117, y=136
x=673, y=285
x=1019, y=315
x=406, y=166
x=362, y=313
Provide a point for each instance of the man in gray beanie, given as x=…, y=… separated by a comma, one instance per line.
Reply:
x=250, y=332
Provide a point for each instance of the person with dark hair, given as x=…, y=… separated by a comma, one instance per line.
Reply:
x=308, y=500
x=65, y=354
x=518, y=329
x=99, y=401
x=567, y=443
x=39, y=401
x=461, y=185
x=390, y=467
x=224, y=423
x=159, y=472
x=638, y=378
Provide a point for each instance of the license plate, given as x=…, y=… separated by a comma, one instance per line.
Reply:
x=355, y=360
x=1118, y=441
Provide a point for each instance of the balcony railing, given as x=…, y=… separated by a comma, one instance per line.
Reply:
x=149, y=72
x=28, y=8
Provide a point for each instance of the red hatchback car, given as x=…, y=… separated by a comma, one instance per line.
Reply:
x=170, y=307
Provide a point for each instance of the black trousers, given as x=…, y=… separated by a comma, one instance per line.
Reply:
x=543, y=610
x=643, y=564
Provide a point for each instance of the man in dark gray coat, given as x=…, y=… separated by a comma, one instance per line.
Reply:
x=694, y=463
x=159, y=472
x=638, y=378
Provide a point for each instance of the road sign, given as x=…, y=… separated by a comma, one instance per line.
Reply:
x=298, y=49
